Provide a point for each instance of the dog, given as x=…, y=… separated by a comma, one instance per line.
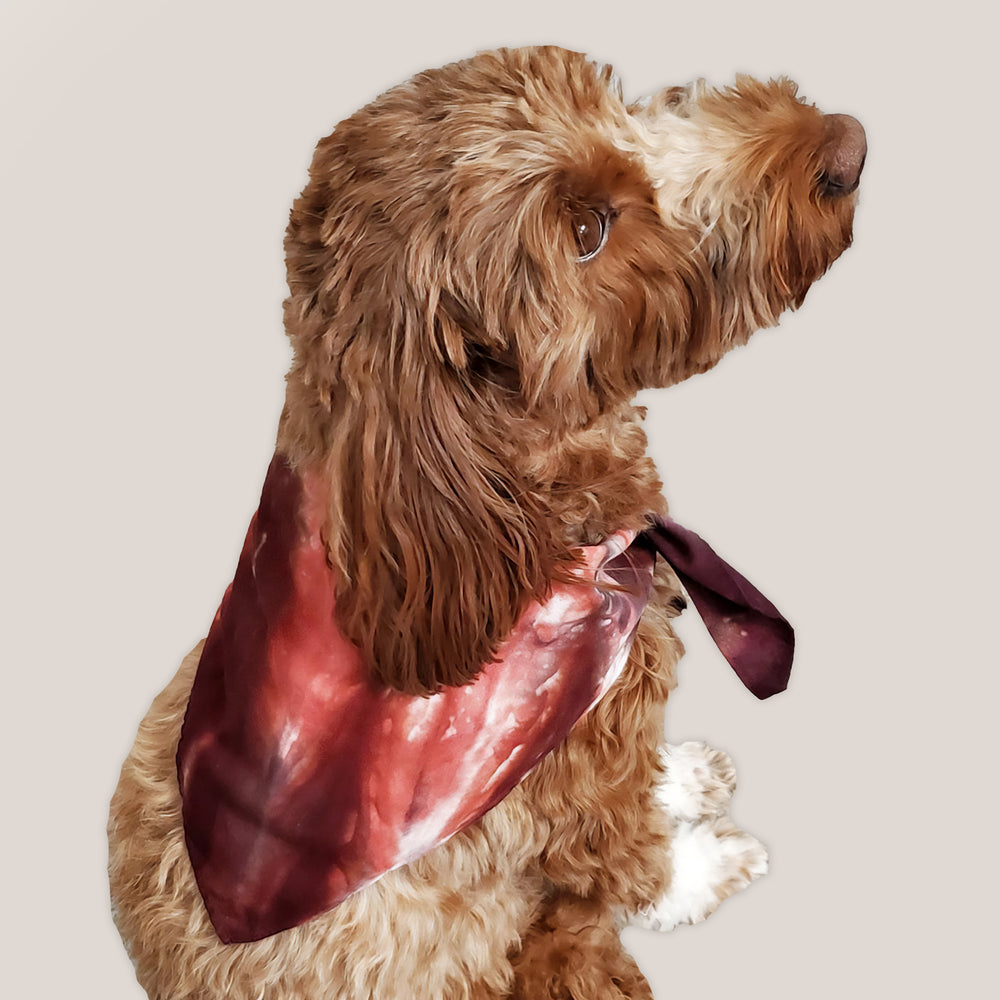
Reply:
x=485, y=266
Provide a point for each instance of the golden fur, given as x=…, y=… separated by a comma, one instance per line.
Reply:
x=465, y=383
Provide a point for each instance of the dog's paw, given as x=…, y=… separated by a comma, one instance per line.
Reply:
x=710, y=860
x=699, y=781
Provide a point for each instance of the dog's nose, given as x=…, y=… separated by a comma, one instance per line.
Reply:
x=844, y=151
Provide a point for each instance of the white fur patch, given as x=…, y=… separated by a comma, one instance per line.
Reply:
x=699, y=781
x=711, y=858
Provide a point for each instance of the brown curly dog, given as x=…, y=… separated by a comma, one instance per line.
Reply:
x=486, y=265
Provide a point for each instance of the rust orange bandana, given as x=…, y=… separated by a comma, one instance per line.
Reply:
x=302, y=780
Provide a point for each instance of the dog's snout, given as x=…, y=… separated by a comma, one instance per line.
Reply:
x=844, y=151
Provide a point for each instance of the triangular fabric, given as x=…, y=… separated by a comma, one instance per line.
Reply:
x=303, y=781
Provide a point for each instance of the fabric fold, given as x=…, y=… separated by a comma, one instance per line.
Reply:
x=749, y=630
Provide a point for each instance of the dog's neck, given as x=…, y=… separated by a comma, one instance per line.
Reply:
x=596, y=478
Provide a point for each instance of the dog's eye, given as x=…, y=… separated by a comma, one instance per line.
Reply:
x=590, y=229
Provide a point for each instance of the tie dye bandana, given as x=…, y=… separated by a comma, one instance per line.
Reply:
x=303, y=780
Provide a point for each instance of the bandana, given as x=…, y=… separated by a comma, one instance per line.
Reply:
x=302, y=780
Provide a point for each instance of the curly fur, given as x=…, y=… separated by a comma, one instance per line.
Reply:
x=464, y=383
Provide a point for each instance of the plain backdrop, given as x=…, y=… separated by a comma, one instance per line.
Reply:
x=149, y=153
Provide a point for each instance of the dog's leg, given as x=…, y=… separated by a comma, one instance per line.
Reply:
x=710, y=858
x=573, y=952
x=606, y=834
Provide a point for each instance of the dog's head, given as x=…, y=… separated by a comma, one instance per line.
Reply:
x=499, y=254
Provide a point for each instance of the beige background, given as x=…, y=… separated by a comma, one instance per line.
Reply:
x=847, y=462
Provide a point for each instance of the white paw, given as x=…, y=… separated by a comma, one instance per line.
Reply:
x=711, y=859
x=699, y=781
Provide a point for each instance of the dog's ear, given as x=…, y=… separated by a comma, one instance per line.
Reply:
x=436, y=547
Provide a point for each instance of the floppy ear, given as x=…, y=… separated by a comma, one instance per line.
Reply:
x=437, y=547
